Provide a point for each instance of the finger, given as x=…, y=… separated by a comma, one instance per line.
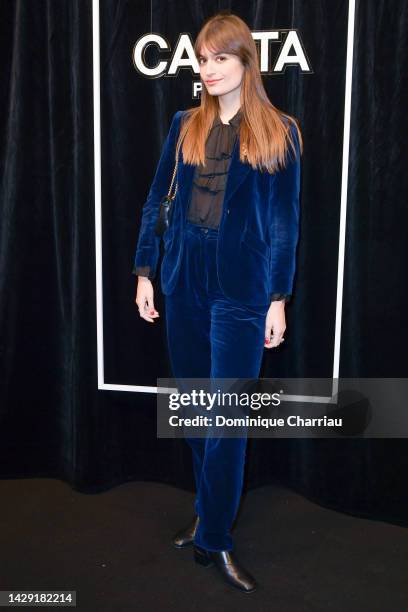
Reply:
x=147, y=318
x=277, y=338
x=267, y=341
x=150, y=309
x=274, y=337
x=144, y=312
x=151, y=312
x=144, y=309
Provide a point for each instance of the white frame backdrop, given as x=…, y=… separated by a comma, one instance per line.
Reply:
x=98, y=214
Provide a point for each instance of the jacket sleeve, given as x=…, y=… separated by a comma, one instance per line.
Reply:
x=285, y=221
x=143, y=271
x=280, y=297
x=148, y=244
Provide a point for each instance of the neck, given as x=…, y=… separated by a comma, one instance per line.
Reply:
x=229, y=104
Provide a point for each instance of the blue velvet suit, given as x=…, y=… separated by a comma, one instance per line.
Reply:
x=217, y=285
x=258, y=230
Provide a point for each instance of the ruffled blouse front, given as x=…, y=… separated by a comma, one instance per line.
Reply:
x=209, y=181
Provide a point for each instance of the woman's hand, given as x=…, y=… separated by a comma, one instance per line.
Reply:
x=144, y=299
x=275, y=323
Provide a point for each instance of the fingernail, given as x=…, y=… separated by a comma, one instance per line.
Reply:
x=267, y=340
x=152, y=312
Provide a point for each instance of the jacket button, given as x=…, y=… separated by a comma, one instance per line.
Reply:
x=228, y=211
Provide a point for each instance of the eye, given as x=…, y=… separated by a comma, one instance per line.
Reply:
x=221, y=57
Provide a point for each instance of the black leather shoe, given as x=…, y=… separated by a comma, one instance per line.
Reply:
x=185, y=537
x=229, y=567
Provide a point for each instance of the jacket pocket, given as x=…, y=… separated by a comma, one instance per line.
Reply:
x=254, y=242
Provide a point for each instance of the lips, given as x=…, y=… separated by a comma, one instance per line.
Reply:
x=212, y=82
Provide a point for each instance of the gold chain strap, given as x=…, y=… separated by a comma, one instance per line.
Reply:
x=174, y=175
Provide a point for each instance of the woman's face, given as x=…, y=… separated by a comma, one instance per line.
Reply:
x=221, y=73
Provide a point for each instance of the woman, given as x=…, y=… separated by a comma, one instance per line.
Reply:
x=229, y=257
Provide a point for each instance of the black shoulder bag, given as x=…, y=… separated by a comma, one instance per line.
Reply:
x=166, y=204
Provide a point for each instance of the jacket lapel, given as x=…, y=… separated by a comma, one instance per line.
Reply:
x=237, y=172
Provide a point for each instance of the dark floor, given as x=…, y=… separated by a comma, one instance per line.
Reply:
x=114, y=549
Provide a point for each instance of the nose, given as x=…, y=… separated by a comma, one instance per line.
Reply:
x=209, y=70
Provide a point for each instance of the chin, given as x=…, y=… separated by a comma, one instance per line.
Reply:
x=216, y=92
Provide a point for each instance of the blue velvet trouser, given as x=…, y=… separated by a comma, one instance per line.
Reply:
x=212, y=336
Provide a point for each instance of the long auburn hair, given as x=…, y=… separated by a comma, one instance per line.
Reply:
x=263, y=134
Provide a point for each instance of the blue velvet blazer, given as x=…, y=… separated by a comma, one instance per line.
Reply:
x=258, y=232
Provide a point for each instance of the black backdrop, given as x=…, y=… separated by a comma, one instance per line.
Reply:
x=54, y=422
